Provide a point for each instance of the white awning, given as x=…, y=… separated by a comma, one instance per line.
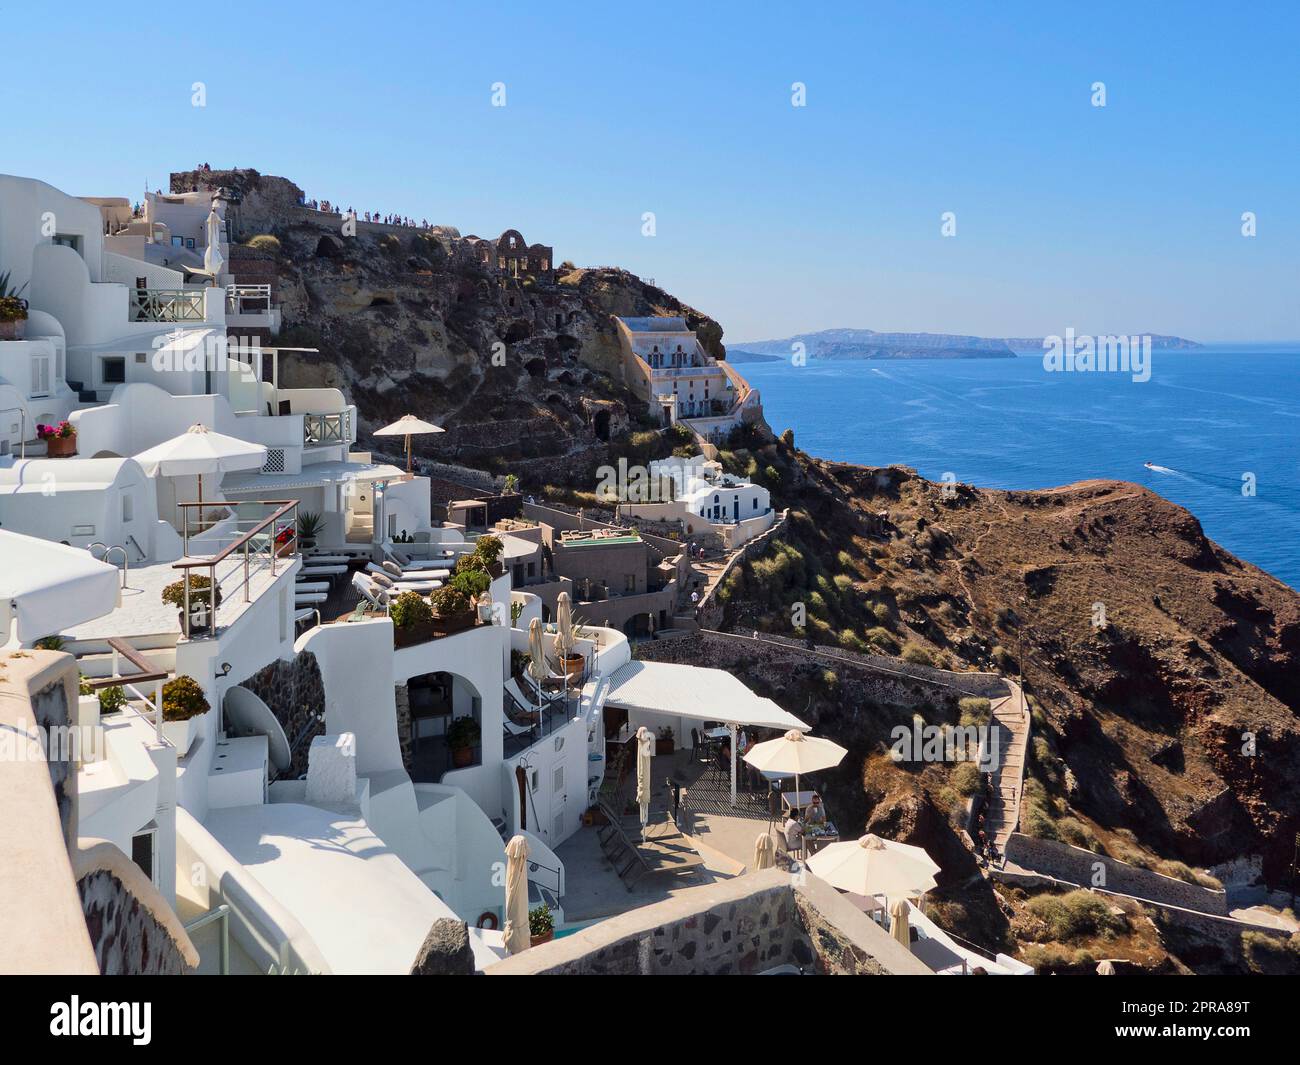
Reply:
x=696, y=692
x=314, y=476
x=49, y=587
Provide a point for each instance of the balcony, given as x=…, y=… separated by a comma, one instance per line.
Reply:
x=165, y=305
x=248, y=299
x=325, y=429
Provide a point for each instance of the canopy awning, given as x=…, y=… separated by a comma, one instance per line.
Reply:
x=316, y=475
x=696, y=692
x=49, y=587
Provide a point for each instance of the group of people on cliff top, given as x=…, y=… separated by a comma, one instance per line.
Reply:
x=326, y=207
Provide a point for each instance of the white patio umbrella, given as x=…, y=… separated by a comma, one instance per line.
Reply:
x=898, y=922
x=199, y=450
x=645, y=749
x=537, y=664
x=1105, y=967
x=764, y=852
x=408, y=425
x=517, y=938
x=795, y=753
x=875, y=866
x=564, y=635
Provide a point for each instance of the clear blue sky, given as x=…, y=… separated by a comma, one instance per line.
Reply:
x=771, y=218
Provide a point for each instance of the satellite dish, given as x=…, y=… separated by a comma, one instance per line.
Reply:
x=247, y=715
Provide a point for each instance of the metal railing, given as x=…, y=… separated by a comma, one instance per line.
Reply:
x=166, y=305
x=126, y=561
x=145, y=674
x=327, y=428
x=222, y=914
x=261, y=546
x=248, y=299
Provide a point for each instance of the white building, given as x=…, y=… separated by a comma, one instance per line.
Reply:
x=696, y=493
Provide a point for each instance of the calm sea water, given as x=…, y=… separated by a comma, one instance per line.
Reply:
x=1206, y=417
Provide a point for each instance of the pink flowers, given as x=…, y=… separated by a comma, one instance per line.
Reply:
x=62, y=430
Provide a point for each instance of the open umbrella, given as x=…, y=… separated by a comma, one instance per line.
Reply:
x=898, y=922
x=537, y=664
x=764, y=852
x=517, y=936
x=408, y=425
x=795, y=753
x=199, y=450
x=875, y=866
x=645, y=749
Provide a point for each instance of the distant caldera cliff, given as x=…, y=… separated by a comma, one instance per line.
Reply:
x=869, y=344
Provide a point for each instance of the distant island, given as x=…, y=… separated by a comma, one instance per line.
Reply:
x=868, y=344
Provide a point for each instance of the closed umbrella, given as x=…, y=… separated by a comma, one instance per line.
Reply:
x=764, y=852
x=795, y=753
x=645, y=749
x=564, y=635
x=898, y=922
x=1105, y=967
x=537, y=663
x=875, y=866
x=199, y=450
x=517, y=936
x=408, y=425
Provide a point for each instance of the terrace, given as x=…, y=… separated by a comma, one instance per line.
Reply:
x=165, y=304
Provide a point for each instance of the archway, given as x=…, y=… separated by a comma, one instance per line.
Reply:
x=437, y=705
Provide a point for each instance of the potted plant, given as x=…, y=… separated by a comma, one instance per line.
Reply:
x=183, y=704
x=60, y=440
x=474, y=584
x=489, y=548
x=111, y=700
x=463, y=735
x=541, y=925
x=13, y=310
x=452, y=610
x=664, y=741
x=202, y=608
x=412, y=619
x=309, y=527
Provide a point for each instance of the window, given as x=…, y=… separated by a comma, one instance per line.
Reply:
x=178, y=242
x=189, y=242
x=40, y=375
x=112, y=370
x=756, y=502
x=67, y=240
x=629, y=583
x=143, y=846
x=128, y=507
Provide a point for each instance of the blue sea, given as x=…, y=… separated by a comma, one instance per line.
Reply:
x=1206, y=418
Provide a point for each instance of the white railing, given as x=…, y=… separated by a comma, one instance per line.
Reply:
x=327, y=428
x=248, y=299
x=166, y=305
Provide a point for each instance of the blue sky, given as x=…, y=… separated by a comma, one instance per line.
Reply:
x=771, y=218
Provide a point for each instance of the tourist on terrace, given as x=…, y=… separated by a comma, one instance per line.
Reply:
x=793, y=832
x=816, y=812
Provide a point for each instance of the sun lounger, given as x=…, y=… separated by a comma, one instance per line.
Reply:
x=326, y=560
x=323, y=571
x=370, y=592
x=304, y=615
x=309, y=598
x=311, y=586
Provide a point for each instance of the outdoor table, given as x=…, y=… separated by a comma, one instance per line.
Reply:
x=719, y=733
x=796, y=800
x=816, y=837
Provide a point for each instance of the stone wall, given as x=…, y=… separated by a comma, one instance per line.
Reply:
x=743, y=926
x=1060, y=861
x=295, y=693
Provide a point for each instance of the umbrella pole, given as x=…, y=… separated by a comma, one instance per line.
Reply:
x=732, y=730
x=200, y=502
x=408, y=452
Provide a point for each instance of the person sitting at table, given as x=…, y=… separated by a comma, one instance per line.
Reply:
x=793, y=832
x=816, y=812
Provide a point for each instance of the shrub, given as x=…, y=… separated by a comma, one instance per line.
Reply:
x=449, y=602
x=49, y=643
x=1036, y=819
x=265, y=242
x=409, y=609
x=1072, y=830
x=917, y=655
x=1075, y=915
x=974, y=709
x=1271, y=955
x=463, y=732
x=111, y=699
x=471, y=583
x=489, y=548
x=965, y=779
x=83, y=685
x=882, y=639
x=183, y=699
x=1188, y=875
x=880, y=611
x=540, y=921
x=200, y=591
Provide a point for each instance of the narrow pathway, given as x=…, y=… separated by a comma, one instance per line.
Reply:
x=1010, y=722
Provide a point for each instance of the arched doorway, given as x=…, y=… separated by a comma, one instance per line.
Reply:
x=445, y=715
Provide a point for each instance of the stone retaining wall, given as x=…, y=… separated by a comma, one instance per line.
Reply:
x=1074, y=865
x=295, y=693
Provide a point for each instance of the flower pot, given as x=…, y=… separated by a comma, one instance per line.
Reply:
x=545, y=937
x=573, y=666
x=60, y=447
x=663, y=747
x=462, y=756
x=485, y=611
x=181, y=734
x=200, y=618
x=13, y=330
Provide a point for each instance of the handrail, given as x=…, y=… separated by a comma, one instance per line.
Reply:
x=224, y=553
x=126, y=560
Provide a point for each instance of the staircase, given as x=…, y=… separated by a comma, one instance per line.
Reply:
x=84, y=395
x=1010, y=723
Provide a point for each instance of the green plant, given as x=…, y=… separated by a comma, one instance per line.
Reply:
x=511, y=485
x=463, y=732
x=469, y=563
x=540, y=921
x=49, y=643
x=309, y=527
x=200, y=591
x=471, y=583
x=917, y=655
x=974, y=710
x=489, y=548
x=83, y=685
x=449, y=602
x=1075, y=915
x=182, y=699
x=409, y=609
x=111, y=699
x=666, y=733
x=516, y=610
x=265, y=242
x=12, y=307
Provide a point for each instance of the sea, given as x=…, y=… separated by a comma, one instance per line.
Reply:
x=1219, y=425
